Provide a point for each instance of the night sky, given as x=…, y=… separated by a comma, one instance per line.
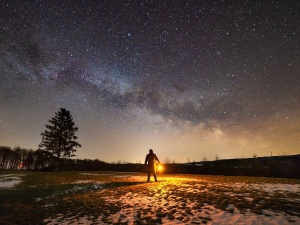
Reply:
x=189, y=79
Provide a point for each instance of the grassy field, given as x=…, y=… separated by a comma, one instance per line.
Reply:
x=125, y=198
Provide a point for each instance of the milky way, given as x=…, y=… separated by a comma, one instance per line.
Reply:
x=190, y=79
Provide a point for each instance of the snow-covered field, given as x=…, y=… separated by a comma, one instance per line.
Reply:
x=125, y=198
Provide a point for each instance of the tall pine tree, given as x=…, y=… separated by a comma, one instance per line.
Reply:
x=59, y=138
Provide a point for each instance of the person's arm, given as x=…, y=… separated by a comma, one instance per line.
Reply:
x=157, y=159
x=146, y=160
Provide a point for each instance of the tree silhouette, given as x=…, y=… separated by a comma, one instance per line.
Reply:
x=58, y=140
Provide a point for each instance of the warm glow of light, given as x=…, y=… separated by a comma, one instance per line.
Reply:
x=159, y=168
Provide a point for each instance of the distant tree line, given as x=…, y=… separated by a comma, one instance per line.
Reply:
x=274, y=166
x=18, y=158
x=21, y=158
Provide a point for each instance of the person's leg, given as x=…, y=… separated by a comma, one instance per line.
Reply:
x=154, y=173
x=149, y=173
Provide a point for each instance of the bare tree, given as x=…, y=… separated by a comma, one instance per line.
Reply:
x=216, y=157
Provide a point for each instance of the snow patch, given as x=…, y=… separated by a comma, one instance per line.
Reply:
x=9, y=180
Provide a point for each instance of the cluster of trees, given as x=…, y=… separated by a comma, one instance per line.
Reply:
x=18, y=158
x=22, y=158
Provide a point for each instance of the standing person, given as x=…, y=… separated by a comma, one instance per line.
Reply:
x=151, y=159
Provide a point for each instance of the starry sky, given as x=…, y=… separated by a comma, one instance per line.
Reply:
x=190, y=79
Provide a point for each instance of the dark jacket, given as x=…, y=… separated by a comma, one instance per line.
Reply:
x=151, y=158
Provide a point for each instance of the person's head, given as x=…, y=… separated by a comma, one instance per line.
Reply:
x=150, y=151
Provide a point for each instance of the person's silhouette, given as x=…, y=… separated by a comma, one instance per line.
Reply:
x=150, y=161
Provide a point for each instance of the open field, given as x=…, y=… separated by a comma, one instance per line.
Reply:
x=125, y=198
